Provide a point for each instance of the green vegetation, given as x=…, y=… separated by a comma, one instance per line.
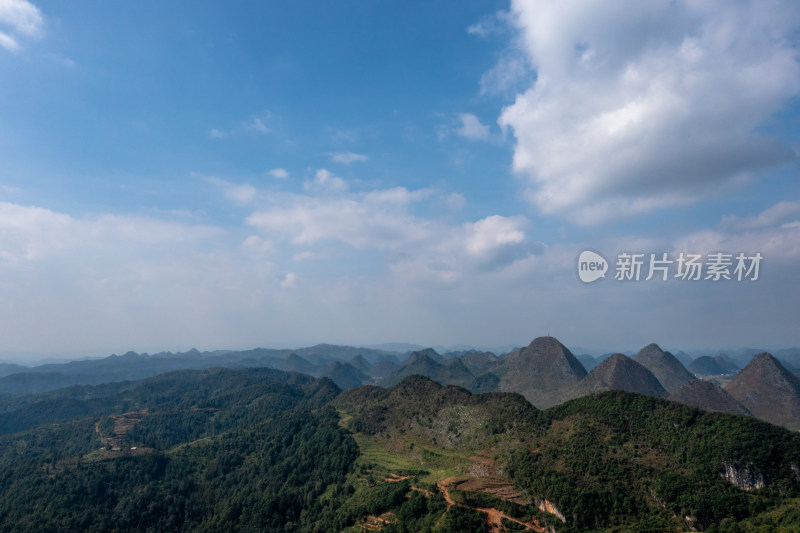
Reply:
x=263, y=450
x=636, y=462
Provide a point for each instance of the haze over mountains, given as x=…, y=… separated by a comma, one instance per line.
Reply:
x=545, y=372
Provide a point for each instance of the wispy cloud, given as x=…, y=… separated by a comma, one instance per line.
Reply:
x=347, y=157
x=257, y=125
x=471, y=128
x=289, y=281
x=241, y=193
x=254, y=125
x=780, y=213
x=278, y=173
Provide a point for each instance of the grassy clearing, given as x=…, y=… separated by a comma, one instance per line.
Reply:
x=428, y=464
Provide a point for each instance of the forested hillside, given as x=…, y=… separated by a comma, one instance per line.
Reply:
x=265, y=450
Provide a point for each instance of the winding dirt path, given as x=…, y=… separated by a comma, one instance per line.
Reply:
x=493, y=517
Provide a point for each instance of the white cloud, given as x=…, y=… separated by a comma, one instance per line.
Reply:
x=488, y=25
x=499, y=241
x=256, y=245
x=383, y=220
x=242, y=194
x=304, y=256
x=347, y=157
x=24, y=20
x=455, y=201
x=324, y=180
x=396, y=195
x=480, y=29
x=255, y=124
x=775, y=232
x=642, y=105
x=8, y=42
x=289, y=281
x=471, y=128
x=506, y=75
x=349, y=220
x=239, y=193
x=278, y=173
x=782, y=212
x=258, y=125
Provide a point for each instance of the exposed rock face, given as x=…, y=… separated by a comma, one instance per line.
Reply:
x=747, y=478
x=665, y=367
x=769, y=391
x=619, y=372
x=547, y=506
x=708, y=396
x=544, y=372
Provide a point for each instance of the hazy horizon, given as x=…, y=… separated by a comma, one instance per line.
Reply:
x=34, y=359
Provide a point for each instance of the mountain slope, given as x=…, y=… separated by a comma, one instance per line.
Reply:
x=544, y=372
x=619, y=372
x=264, y=450
x=709, y=397
x=769, y=391
x=346, y=376
x=611, y=462
x=421, y=363
x=478, y=362
x=706, y=366
x=665, y=367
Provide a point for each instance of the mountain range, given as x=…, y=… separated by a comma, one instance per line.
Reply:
x=525, y=441
x=545, y=372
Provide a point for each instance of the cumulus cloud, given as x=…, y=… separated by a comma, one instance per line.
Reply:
x=471, y=128
x=22, y=19
x=642, y=105
x=324, y=180
x=347, y=157
x=383, y=220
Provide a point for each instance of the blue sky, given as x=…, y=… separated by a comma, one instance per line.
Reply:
x=230, y=175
